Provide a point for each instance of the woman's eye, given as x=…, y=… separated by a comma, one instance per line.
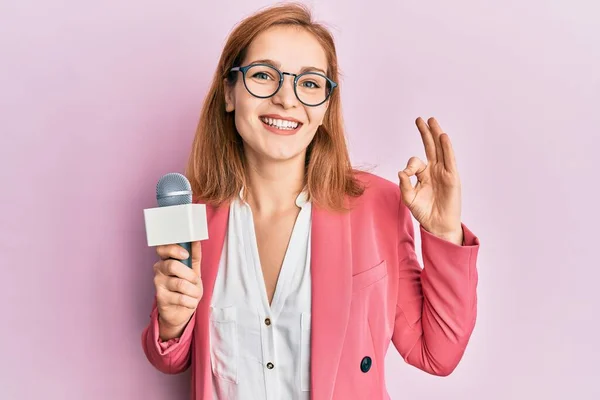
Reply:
x=261, y=75
x=310, y=85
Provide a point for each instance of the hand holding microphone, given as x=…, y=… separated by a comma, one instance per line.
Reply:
x=178, y=288
x=176, y=228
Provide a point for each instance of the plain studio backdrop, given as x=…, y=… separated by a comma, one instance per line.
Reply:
x=99, y=99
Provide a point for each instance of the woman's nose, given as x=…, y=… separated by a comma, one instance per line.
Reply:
x=286, y=95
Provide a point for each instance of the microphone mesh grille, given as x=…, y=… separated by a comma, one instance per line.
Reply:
x=169, y=188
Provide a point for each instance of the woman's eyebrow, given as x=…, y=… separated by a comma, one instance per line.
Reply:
x=278, y=65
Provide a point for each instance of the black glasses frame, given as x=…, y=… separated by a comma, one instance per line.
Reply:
x=244, y=69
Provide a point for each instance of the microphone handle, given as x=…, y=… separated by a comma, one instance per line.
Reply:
x=188, y=248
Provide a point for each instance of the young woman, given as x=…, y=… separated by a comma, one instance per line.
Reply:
x=310, y=267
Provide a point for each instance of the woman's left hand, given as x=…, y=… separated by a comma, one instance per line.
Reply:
x=435, y=200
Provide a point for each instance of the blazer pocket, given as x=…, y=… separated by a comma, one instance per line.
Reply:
x=366, y=278
x=224, y=343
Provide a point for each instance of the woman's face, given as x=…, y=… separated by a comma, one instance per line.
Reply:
x=289, y=49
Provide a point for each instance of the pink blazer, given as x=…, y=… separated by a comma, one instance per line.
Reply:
x=367, y=289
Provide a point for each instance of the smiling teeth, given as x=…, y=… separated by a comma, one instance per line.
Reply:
x=280, y=123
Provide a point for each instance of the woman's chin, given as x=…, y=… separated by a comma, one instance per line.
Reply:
x=282, y=155
x=276, y=153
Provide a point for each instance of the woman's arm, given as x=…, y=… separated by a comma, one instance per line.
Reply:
x=171, y=356
x=436, y=306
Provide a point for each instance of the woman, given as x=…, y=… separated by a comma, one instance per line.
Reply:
x=310, y=268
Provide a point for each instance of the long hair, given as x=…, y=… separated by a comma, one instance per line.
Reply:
x=217, y=166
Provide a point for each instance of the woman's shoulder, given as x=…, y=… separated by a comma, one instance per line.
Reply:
x=376, y=182
x=380, y=193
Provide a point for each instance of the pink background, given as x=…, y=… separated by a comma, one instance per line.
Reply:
x=98, y=99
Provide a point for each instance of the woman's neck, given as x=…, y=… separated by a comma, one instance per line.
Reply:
x=273, y=186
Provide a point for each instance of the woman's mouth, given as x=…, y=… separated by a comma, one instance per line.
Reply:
x=281, y=126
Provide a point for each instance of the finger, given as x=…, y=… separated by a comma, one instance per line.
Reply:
x=180, y=270
x=449, y=158
x=436, y=131
x=178, y=299
x=406, y=187
x=171, y=251
x=427, y=138
x=184, y=287
x=415, y=166
x=196, y=257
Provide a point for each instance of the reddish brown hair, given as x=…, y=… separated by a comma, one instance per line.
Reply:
x=216, y=167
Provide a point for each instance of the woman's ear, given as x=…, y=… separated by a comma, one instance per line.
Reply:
x=229, y=97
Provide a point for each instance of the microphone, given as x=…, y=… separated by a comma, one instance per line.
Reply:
x=176, y=220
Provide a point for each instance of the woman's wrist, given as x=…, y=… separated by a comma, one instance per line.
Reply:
x=456, y=237
x=167, y=332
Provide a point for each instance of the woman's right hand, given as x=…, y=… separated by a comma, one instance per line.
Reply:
x=178, y=288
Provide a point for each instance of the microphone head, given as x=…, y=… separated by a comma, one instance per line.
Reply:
x=173, y=189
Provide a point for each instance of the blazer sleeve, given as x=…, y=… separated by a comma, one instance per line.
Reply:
x=436, y=305
x=172, y=356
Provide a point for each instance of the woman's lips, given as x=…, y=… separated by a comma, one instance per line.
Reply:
x=281, y=131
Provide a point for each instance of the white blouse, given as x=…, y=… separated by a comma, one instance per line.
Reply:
x=261, y=351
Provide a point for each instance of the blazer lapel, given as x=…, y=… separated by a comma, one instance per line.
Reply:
x=331, y=274
x=217, y=219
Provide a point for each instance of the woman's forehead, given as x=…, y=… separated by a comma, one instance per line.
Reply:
x=290, y=48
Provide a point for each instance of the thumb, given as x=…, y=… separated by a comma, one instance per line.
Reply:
x=405, y=185
x=196, y=257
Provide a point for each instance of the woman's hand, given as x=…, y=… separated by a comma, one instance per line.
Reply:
x=435, y=200
x=178, y=288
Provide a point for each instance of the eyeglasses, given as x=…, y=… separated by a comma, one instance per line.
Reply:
x=263, y=81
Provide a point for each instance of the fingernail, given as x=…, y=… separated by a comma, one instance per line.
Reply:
x=184, y=254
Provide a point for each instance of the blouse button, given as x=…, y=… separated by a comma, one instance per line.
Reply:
x=270, y=365
x=267, y=321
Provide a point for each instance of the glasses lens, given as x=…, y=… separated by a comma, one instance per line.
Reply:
x=312, y=88
x=262, y=80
